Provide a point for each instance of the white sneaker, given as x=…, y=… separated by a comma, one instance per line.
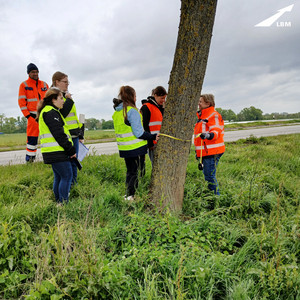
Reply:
x=128, y=198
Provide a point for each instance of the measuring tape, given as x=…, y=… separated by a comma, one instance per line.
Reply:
x=174, y=138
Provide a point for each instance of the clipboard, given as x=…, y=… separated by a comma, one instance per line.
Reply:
x=82, y=151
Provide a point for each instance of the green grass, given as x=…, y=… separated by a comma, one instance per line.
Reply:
x=244, y=244
x=238, y=125
x=16, y=141
x=12, y=140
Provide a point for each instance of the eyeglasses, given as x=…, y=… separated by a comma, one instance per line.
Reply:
x=64, y=81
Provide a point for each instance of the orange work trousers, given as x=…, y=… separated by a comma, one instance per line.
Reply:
x=32, y=136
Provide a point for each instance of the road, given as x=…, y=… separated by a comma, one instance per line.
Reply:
x=18, y=157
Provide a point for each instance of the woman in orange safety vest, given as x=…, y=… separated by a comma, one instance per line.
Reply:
x=209, y=139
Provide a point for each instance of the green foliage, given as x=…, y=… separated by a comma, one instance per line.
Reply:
x=249, y=114
x=16, y=264
x=227, y=114
x=107, y=124
x=12, y=125
x=243, y=244
x=94, y=124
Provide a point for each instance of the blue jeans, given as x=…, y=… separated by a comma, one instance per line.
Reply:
x=74, y=167
x=62, y=180
x=209, y=170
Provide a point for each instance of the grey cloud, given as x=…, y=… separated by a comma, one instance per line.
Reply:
x=104, y=44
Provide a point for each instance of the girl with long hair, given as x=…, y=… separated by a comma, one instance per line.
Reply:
x=130, y=135
x=56, y=144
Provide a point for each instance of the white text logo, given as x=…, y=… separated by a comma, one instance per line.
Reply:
x=268, y=22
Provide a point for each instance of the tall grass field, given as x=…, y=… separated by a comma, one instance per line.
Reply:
x=243, y=244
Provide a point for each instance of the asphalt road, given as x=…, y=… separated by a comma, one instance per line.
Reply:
x=18, y=157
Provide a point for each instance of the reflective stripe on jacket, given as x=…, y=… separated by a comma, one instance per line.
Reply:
x=72, y=121
x=48, y=142
x=30, y=93
x=126, y=140
x=156, y=118
x=210, y=121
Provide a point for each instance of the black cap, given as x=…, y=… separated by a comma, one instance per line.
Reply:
x=31, y=67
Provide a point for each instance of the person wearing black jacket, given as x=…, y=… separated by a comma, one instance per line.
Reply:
x=56, y=144
x=152, y=112
x=68, y=111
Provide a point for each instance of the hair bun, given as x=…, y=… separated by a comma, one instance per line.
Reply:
x=117, y=102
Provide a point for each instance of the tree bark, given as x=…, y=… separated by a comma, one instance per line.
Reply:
x=185, y=84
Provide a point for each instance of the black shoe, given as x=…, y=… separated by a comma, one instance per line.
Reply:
x=30, y=159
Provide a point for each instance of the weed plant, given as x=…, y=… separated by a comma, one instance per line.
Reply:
x=243, y=244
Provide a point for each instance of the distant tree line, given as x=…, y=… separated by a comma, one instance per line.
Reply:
x=94, y=124
x=252, y=114
x=12, y=125
x=19, y=124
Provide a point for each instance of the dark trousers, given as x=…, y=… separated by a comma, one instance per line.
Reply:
x=142, y=159
x=62, y=180
x=132, y=165
x=74, y=166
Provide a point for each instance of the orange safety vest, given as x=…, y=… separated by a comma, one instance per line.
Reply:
x=30, y=93
x=209, y=121
x=156, y=118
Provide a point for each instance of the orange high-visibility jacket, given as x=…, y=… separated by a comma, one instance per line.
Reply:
x=209, y=121
x=156, y=118
x=30, y=93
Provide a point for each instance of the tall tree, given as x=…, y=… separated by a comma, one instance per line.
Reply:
x=250, y=113
x=21, y=124
x=2, y=117
x=185, y=84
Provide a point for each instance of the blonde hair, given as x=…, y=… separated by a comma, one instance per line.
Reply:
x=51, y=94
x=209, y=99
x=58, y=76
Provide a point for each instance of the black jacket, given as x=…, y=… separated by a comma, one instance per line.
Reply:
x=147, y=114
x=78, y=132
x=55, y=123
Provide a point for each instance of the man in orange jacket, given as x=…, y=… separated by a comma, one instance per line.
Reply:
x=209, y=139
x=31, y=92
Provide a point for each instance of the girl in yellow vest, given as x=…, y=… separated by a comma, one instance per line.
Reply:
x=61, y=81
x=130, y=135
x=56, y=143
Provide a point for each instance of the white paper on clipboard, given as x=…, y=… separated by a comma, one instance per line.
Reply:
x=82, y=151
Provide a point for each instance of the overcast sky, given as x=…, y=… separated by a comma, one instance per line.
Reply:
x=103, y=44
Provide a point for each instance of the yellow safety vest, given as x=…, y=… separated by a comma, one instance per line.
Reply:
x=126, y=140
x=48, y=142
x=72, y=119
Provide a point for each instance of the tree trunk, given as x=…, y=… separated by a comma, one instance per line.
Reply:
x=185, y=84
